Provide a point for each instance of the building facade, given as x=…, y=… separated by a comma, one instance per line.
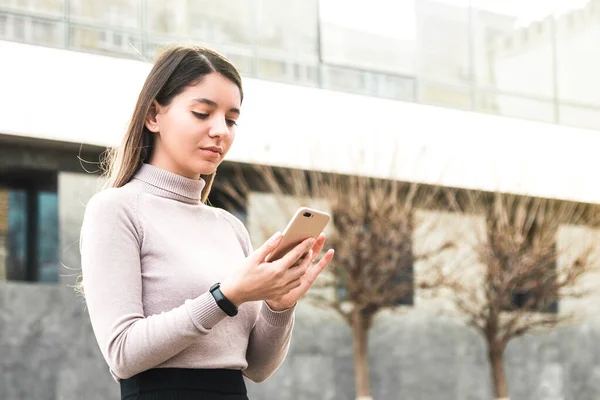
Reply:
x=319, y=95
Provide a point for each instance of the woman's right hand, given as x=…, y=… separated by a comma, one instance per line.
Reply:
x=259, y=280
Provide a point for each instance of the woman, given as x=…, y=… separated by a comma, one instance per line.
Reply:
x=180, y=304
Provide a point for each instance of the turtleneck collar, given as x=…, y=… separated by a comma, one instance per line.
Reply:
x=168, y=184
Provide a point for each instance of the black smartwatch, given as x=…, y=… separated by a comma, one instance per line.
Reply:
x=223, y=302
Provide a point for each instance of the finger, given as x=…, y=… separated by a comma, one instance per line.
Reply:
x=303, y=258
x=268, y=247
x=319, y=243
x=313, y=273
x=296, y=253
x=300, y=270
x=296, y=283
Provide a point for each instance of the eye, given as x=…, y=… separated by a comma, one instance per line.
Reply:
x=231, y=122
x=200, y=115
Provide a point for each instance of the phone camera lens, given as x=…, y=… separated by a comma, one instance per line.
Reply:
x=307, y=214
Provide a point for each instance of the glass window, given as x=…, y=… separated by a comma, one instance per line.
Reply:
x=3, y=233
x=274, y=70
x=513, y=47
x=165, y=18
x=18, y=29
x=516, y=106
x=581, y=116
x=381, y=41
x=442, y=35
x=345, y=79
x=369, y=83
x=243, y=62
x=287, y=71
x=14, y=216
x=31, y=30
x=48, y=33
x=3, y=26
x=577, y=33
x=395, y=87
x=116, y=13
x=47, y=237
x=229, y=22
x=446, y=95
x=54, y=7
x=292, y=28
x=105, y=41
x=29, y=240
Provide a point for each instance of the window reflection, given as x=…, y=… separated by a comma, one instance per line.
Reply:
x=231, y=22
x=3, y=232
x=383, y=41
x=31, y=30
x=29, y=243
x=516, y=106
x=48, y=7
x=520, y=58
x=577, y=33
x=292, y=28
x=118, y=13
x=47, y=237
x=443, y=41
x=15, y=213
x=104, y=41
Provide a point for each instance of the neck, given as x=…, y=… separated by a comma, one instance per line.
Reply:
x=168, y=184
x=159, y=162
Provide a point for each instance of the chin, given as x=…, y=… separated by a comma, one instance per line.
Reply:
x=205, y=168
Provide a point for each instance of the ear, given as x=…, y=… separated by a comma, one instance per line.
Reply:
x=151, y=121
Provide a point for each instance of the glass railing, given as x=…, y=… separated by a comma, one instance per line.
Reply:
x=531, y=61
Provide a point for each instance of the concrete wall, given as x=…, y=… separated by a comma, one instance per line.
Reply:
x=48, y=352
x=47, y=347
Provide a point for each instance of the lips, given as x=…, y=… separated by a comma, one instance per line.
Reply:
x=213, y=153
x=214, y=149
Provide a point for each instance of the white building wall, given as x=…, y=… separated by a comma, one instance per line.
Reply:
x=84, y=98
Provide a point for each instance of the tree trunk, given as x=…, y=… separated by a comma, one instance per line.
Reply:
x=496, y=356
x=360, y=330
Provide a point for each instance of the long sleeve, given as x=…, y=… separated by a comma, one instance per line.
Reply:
x=269, y=342
x=271, y=335
x=110, y=244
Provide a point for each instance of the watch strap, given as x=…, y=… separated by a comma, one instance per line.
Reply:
x=223, y=302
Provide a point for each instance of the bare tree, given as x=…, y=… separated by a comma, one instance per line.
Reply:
x=521, y=281
x=373, y=234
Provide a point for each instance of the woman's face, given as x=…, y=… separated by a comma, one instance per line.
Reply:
x=196, y=130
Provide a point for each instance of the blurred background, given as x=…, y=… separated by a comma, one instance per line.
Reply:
x=499, y=96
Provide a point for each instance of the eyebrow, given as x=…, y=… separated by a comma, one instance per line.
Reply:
x=214, y=104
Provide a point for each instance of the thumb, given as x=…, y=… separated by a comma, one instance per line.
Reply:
x=263, y=251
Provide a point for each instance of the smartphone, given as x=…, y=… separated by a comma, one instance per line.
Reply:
x=306, y=223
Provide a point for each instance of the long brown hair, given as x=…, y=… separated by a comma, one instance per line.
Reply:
x=176, y=68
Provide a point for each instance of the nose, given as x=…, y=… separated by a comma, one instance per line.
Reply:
x=218, y=127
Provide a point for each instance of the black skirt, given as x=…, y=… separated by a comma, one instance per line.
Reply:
x=185, y=384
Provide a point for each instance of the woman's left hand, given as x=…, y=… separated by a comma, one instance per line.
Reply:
x=290, y=299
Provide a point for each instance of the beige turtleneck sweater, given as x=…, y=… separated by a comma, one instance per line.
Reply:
x=150, y=251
